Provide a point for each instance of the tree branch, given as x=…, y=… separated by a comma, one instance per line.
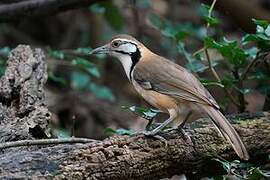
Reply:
x=27, y=8
x=44, y=142
x=259, y=56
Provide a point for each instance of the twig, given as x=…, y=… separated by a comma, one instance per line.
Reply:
x=241, y=96
x=251, y=64
x=44, y=142
x=206, y=50
x=219, y=80
x=211, y=66
x=267, y=64
x=210, y=10
x=198, y=51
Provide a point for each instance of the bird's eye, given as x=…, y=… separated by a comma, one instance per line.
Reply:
x=115, y=44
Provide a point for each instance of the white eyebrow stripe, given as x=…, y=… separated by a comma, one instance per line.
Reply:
x=126, y=40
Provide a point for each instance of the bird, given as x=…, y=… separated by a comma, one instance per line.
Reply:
x=169, y=87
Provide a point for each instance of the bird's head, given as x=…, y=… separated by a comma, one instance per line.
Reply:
x=125, y=48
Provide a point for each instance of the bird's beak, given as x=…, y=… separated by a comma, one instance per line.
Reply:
x=101, y=50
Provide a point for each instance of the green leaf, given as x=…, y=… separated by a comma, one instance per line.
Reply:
x=259, y=29
x=252, y=52
x=228, y=49
x=180, y=35
x=204, y=13
x=143, y=4
x=257, y=173
x=181, y=49
x=83, y=50
x=249, y=38
x=262, y=23
x=143, y=112
x=101, y=91
x=244, y=90
x=262, y=41
x=113, y=15
x=56, y=54
x=211, y=20
x=168, y=31
x=259, y=75
x=203, y=10
x=267, y=31
x=263, y=88
x=262, y=36
x=97, y=8
x=155, y=21
x=79, y=80
x=207, y=82
x=109, y=131
x=57, y=79
x=196, y=66
x=2, y=67
x=86, y=65
x=4, y=51
x=61, y=133
x=193, y=64
x=120, y=131
x=228, y=81
x=225, y=164
x=211, y=43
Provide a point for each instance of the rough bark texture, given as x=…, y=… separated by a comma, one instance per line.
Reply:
x=23, y=114
x=123, y=157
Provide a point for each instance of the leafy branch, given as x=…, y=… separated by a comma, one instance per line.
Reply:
x=212, y=69
x=240, y=57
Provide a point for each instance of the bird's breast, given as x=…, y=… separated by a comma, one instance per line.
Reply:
x=158, y=100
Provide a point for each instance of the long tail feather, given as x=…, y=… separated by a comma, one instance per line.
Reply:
x=227, y=131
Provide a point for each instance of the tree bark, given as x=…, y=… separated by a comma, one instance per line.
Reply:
x=23, y=113
x=29, y=8
x=138, y=157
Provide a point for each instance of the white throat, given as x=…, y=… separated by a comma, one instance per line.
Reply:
x=126, y=63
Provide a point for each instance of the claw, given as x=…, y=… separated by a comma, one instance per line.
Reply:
x=185, y=136
x=152, y=135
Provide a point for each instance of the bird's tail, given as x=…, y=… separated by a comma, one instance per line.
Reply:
x=227, y=131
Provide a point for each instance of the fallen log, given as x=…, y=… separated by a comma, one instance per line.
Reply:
x=138, y=157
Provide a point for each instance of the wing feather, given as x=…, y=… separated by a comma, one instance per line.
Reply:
x=172, y=80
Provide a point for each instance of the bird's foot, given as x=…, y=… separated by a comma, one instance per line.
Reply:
x=184, y=135
x=151, y=134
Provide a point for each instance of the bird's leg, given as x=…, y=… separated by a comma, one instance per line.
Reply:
x=159, y=128
x=185, y=120
x=148, y=126
x=180, y=129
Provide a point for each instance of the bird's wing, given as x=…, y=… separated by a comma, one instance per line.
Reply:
x=166, y=77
